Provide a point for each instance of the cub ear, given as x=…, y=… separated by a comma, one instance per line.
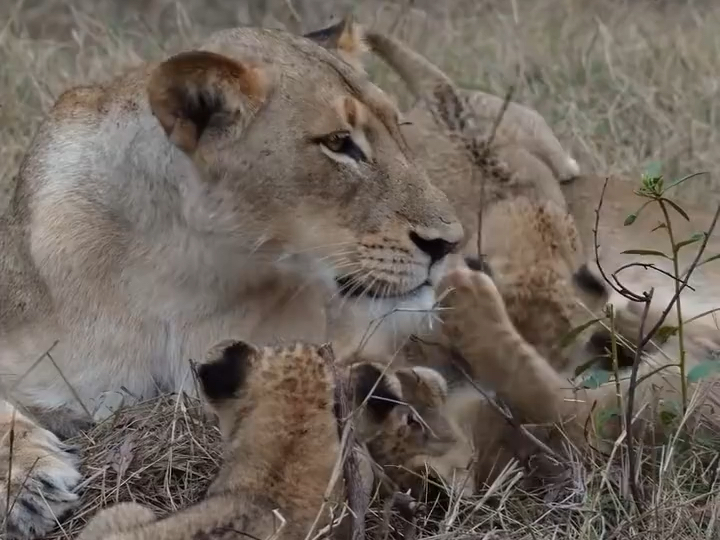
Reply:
x=346, y=38
x=422, y=386
x=225, y=369
x=198, y=90
x=589, y=282
x=368, y=380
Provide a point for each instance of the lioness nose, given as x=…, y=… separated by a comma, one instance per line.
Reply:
x=436, y=248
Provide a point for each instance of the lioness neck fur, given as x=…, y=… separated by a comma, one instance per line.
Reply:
x=255, y=187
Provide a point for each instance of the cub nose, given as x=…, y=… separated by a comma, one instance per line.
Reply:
x=436, y=248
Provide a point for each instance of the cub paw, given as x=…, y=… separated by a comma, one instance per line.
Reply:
x=119, y=518
x=43, y=473
x=470, y=302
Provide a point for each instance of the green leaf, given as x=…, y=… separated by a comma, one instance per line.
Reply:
x=604, y=416
x=572, y=334
x=630, y=219
x=709, y=259
x=683, y=179
x=670, y=413
x=665, y=332
x=694, y=238
x=653, y=170
x=703, y=370
x=701, y=315
x=596, y=378
x=677, y=208
x=667, y=418
x=587, y=366
x=648, y=252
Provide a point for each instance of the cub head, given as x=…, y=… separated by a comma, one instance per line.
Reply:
x=297, y=170
x=407, y=429
x=257, y=392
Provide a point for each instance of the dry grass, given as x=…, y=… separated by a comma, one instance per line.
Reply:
x=622, y=83
x=162, y=453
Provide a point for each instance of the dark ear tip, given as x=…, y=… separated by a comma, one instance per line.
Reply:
x=589, y=282
x=327, y=33
x=382, y=399
x=479, y=264
x=600, y=343
x=223, y=374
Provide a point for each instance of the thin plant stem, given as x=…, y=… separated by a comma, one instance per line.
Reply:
x=676, y=272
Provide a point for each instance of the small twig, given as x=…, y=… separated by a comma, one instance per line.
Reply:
x=10, y=464
x=358, y=501
x=70, y=387
x=36, y=362
x=283, y=523
x=615, y=284
x=458, y=360
x=488, y=145
x=496, y=124
x=684, y=281
x=631, y=405
x=647, y=266
x=408, y=508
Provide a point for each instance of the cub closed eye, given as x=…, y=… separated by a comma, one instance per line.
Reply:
x=341, y=142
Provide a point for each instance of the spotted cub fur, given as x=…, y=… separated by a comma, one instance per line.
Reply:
x=281, y=442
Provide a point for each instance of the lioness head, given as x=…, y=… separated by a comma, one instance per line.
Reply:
x=301, y=170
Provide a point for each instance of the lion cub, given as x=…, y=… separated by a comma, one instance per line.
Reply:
x=275, y=407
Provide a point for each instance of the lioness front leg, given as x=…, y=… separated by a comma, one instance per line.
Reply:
x=42, y=471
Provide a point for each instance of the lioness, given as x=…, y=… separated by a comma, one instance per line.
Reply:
x=246, y=188
x=529, y=237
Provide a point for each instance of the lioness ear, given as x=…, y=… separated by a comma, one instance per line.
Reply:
x=198, y=90
x=225, y=369
x=346, y=38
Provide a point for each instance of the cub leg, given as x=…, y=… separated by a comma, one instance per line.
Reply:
x=118, y=518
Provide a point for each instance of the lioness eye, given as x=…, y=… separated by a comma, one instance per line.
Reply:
x=341, y=142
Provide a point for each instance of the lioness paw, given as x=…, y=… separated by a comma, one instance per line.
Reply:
x=43, y=475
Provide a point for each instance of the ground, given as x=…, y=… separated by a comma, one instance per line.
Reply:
x=622, y=83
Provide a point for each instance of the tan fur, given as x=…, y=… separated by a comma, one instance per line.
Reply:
x=529, y=238
x=419, y=436
x=281, y=444
x=480, y=341
x=479, y=327
x=507, y=331
x=220, y=192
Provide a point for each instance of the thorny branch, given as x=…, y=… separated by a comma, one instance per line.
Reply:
x=614, y=283
x=631, y=406
x=643, y=339
x=358, y=500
